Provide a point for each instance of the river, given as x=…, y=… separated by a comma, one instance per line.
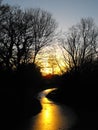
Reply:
x=53, y=116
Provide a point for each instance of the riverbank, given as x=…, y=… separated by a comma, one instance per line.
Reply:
x=16, y=107
x=78, y=90
x=82, y=101
x=17, y=90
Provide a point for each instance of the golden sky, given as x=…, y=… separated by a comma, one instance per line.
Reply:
x=51, y=61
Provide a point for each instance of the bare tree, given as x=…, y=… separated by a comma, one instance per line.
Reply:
x=43, y=28
x=23, y=34
x=81, y=43
x=5, y=47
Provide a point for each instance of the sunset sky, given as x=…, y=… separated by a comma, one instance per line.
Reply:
x=66, y=13
x=51, y=61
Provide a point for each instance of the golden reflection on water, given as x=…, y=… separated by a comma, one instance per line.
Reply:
x=50, y=118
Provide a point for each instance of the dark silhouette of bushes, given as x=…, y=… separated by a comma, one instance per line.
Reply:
x=79, y=84
x=17, y=91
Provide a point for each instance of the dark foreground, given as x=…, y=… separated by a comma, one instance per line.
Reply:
x=77, y=91
x=83, y=102
x=16, y=107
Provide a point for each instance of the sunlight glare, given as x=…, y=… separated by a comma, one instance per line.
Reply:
x=51, y=62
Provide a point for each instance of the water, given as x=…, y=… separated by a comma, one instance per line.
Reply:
x=52, y=117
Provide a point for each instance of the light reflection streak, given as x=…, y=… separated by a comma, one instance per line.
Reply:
x=50, y=117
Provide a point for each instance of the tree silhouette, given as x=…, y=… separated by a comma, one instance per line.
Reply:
x=81, y=43
x=43, y=29
x=23, y=34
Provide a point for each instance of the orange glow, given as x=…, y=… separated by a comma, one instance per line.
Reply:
x=52, y=62
x=50, y=71
x=46, y=71
x=49, y=90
